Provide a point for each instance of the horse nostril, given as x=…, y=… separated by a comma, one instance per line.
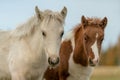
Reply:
x=90, y=61
x=57, y=60
x=53, y=61
x=93, y=62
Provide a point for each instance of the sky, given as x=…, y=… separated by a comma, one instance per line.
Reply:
x=15, y=12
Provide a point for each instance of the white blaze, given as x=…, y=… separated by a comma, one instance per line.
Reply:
x=95, y=49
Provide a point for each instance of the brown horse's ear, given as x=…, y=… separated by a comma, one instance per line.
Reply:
x=84, y=21
x=64, y=12
x=38, y=13
x=103, y=22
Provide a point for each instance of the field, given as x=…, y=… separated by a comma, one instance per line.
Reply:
x=103, y=73
x=106, y=73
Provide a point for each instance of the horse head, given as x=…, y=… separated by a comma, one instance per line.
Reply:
x=52, y=31
x=93, y=36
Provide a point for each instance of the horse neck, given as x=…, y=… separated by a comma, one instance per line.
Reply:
x=4, y=43
x=80, y=56
x=4, y=37
x=25, y=29
x=30, y=32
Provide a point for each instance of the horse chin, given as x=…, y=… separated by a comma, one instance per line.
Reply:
x=92, y=64
x=53, y=66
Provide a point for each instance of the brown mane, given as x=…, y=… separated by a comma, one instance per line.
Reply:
x=93, y=21
x=79, y=53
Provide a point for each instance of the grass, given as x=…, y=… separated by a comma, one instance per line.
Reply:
x=103, y=73
x=106, y=73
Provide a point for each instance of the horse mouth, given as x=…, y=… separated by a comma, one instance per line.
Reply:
x=52, y=66
x=91, y=63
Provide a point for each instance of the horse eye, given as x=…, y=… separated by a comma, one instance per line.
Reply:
x=61, y=34
x=100, y=25
x=86, y=38
x=44, y=34
x=102, y=39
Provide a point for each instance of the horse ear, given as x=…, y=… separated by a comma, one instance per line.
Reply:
x=64, y=12
x=38, y=13
x=103, y=22
x=84, y=21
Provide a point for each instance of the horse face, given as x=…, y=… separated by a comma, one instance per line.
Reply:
x=52, y=31
x=52, y=38
x=93, y=37
x=93, y=40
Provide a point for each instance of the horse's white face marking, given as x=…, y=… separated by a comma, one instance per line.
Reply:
x=95, y=50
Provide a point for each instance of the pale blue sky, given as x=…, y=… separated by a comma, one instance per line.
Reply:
x=14, y=12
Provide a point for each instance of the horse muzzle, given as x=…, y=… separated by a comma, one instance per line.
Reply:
x=93, y=62
x=53, y=61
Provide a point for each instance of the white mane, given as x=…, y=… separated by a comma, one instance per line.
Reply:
x=26, y=28
x=48, y=15
x=33, y=23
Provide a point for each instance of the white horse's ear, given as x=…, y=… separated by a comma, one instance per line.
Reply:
x=38, y=13
x=64, y=12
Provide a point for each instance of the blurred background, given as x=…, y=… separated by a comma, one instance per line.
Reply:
x=15, y=12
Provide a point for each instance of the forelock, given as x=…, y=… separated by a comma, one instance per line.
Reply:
x=93, y=21
x=55, y=16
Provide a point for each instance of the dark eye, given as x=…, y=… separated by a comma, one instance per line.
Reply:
x=61, y=34
x=86, y=38
x=101, y=40
x=100, y=25
x=44, y=34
